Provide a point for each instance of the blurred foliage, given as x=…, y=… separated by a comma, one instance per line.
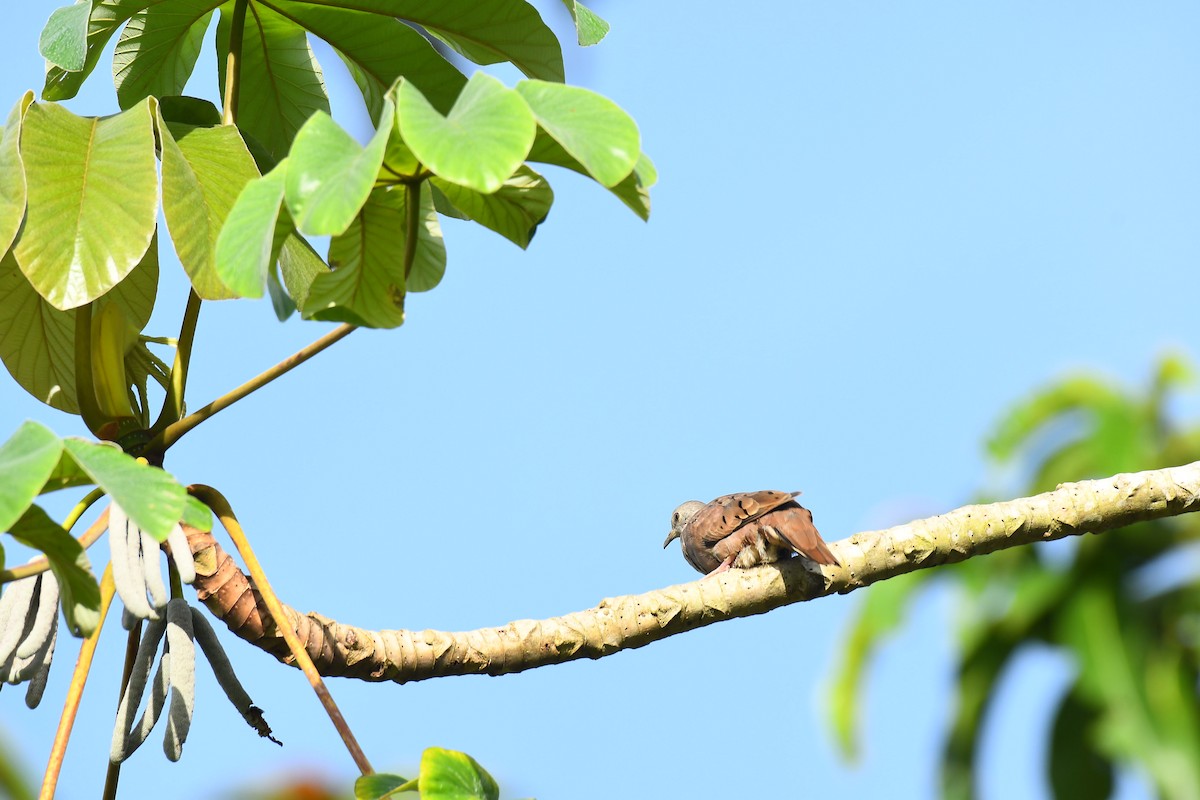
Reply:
x=1102, y=601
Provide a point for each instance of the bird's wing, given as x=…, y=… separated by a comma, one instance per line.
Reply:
x=726, y=514
x=795, y=524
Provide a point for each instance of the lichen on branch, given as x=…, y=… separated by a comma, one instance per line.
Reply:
x=622, y=623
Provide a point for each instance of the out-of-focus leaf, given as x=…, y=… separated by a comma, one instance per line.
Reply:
x=1128, y=679
x=880, y=613
x=299, y=265
x=450, y=775
x=514, y=211
x=12, y=174
x=92, y=200
x=63, y=42
x=203, y=171
x=150, y=496
x=1076, y=768
x=330, y=175
x=978, y=673
x=197, y=514
x=27, y=461
x=480, y=143
x=78, y=590
x=157, y=50
x=282, y=85
x=590, y=127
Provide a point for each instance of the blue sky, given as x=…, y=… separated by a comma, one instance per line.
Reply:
x=877, y=226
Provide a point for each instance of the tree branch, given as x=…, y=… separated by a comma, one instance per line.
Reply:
x=621, y=623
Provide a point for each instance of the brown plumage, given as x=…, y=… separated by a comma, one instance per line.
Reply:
x=746, y=529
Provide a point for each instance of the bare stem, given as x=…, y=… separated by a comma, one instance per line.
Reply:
x=220, y=506
x=233, y=63
x=131, y=647
x=75, y=692
x=176, y=430
x=172, y=408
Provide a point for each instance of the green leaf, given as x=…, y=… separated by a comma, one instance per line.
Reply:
x=329, y=175
x=12, y=174
x=514, y=211
x=196, y=514
x=480, y=143
x=379, y=785
x=1148, y=711
x=590, y=127
x=157, y=50
x=64, y=39
x=486, y=32
x=379, y=50
x=77, y=587
x=282, y=84
x=92, y=202
x=281, y=301
x=1077, y=769
x=633, y=191
x=37, y=341
x=106, y=17
x=150, y=496
x=590, y=29
x=880, y=613
x=189, y=111
x=450, y=775
x=367, y=285
x=299, y=265
x=27, y=460
x=203, y=171
x=246, y=244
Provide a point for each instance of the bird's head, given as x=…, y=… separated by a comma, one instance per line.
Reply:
x=680, y=517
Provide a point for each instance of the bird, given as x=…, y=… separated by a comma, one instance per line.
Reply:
x=746, y=529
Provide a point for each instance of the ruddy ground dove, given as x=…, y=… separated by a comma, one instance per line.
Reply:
x=746, y=529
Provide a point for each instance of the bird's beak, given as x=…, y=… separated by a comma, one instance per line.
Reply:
x=672, y=536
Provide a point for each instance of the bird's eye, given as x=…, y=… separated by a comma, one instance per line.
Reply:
x=675, y=518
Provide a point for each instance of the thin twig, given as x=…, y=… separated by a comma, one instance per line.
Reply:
x=220, y=506
x=75, y=693
x=176, y=430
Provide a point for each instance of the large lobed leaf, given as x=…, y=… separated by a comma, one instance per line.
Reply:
x=368, y=284
x=378, y=50
x=158, y=48
x=480, y=143
x=92, y=200
x=37, y=340
x=203, y=171
x=330, y=175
